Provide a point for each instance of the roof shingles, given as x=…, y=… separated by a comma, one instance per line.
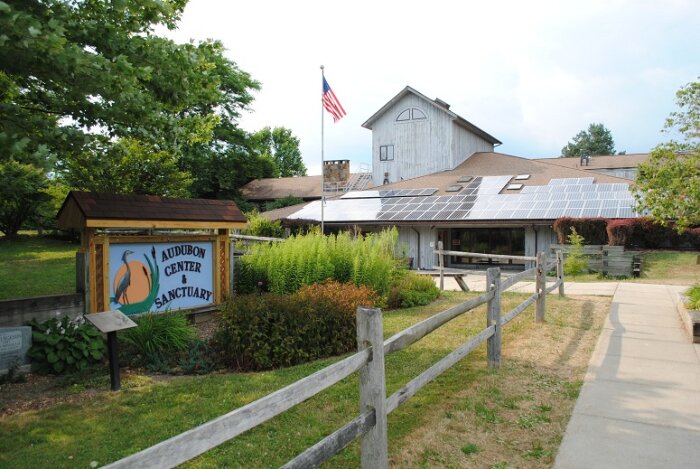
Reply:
x=95, y=205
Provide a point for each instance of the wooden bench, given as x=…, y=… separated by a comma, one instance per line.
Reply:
x=455, y=274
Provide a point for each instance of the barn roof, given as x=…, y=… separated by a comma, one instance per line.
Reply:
x=457, y=119
x=600, y=162
x=102, y=210
x=305, y=187
x=486, y=188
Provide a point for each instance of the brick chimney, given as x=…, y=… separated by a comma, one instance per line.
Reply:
x=336, y=171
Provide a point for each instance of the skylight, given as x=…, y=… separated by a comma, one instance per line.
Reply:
x=522, y=177
x=514, y=187
x=455, y=188
x=465, y=178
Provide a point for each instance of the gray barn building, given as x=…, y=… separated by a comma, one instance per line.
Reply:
x=437, y=178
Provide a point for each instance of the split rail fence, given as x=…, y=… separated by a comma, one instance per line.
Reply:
x=371, y=423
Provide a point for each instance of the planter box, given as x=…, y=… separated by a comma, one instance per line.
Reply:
x=689, y=317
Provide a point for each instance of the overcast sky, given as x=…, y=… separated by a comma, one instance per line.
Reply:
x=532, y=74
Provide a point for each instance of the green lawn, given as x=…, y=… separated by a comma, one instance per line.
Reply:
x=660, y=267
x=34, y=266
x=96, y=425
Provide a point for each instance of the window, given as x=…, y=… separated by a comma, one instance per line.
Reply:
x=509, y=241
x=411, y=114
x=417, y=114
x=404, y=116
x=386, y=153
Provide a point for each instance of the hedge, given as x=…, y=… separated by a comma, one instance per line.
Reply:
x=620, y=231
x=630, y=232
x=592, y=229
x=258, y=332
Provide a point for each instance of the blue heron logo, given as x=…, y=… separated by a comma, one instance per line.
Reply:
x=136, y=284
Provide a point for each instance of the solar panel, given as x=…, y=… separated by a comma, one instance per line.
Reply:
x=517, y=214
x=429, y=215
x=480, y=200
x=625, y=212
x=458, y=215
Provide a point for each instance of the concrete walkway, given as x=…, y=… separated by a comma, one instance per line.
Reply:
x=640, y=403
x=639, y=406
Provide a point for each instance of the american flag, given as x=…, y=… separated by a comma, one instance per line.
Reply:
x=331, y=103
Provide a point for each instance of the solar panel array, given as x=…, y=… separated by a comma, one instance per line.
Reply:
x=480, y=200
x=388, y=193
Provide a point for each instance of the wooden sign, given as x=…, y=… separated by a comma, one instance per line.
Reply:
x=157, y=277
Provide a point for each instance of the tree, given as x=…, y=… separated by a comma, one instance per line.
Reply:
x=21, y=193
x=223, y=166
x=597, y=140
x=83, y=79
x=287, y=201
x=127, y=166
x=283, y=147
x=668, y=183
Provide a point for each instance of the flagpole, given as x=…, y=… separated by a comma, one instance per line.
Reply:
x=323, y=78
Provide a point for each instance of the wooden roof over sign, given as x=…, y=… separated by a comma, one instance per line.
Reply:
x=100, y=210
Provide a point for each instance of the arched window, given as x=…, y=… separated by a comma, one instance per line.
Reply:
x=411, y=114
x=404, y=116
x=417, y=114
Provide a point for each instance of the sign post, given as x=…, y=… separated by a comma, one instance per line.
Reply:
x=109, y=323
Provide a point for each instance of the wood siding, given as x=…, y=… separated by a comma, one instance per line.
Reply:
x=423, y=255
x=545, y=238
x=465, y=144
x=420, y=147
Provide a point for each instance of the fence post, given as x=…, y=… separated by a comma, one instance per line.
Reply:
x=374, y=447
x=540, y=286
x=560, y=271
x=493, y=317
x=441, y=261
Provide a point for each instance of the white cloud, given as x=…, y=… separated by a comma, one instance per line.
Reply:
x=530, y=73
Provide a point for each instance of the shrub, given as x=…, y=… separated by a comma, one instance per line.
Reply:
x=62, y=345
x=411, y=290
x=620, y=232
x=198, y=359
x=286, y=266
x=159, y=334
x=593, y=230
x=258, y=332
x=651, y=234
x=258, y=225
x=576, y=262
x=693, y=297
x=693, y=237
